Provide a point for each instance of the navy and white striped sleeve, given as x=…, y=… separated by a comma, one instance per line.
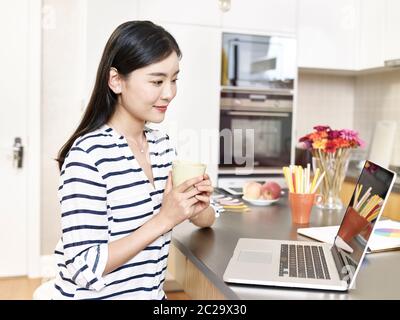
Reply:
x=82, y=194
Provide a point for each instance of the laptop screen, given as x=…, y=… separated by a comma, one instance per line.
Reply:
x=363, y=211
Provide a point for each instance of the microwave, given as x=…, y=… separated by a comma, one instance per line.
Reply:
x=258, y=61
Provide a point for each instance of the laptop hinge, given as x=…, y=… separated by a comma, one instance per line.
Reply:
x=344, y=272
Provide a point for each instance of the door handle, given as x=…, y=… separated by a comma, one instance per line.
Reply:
x=18, y=153
x=258, y=114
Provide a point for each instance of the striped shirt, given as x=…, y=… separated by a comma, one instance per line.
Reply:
x=105, y=195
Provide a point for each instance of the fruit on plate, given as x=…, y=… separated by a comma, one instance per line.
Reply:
x=252, y=190
x=271, y=190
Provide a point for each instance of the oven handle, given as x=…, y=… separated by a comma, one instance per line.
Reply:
x=255, y=114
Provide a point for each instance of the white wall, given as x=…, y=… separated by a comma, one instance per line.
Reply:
x=101, y=20
x=61, y=95
x=74, y=35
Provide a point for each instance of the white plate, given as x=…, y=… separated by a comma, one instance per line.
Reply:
x=260, y=202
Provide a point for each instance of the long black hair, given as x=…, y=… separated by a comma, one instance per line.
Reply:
x=133, y=45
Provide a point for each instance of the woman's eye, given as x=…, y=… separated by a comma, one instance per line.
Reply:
x=160, y=82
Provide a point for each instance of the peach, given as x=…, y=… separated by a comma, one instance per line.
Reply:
x=244, y=188
x=271, y=190
x=252, y=190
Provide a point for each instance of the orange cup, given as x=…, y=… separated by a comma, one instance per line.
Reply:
x=301, y=205
x=352, y=225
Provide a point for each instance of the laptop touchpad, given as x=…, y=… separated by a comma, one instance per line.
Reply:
x=255, y=256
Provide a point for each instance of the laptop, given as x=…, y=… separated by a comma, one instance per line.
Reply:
x=315, y=265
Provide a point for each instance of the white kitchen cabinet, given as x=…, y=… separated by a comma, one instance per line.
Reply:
x=392, y=30
x=204, y=12
x=379, y=32
x=372, y=18
x=74, y=36
x=328, y=34
x=379, y=28
x=192, y=119
x=272, y=16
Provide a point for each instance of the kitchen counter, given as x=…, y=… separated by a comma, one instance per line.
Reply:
x=208, y=250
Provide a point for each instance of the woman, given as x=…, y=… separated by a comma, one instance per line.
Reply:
x=117, y=200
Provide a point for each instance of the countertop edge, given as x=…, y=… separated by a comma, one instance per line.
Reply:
x=209, y=274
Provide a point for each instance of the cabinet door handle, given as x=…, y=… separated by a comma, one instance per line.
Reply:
x=392, y=63
x=257, y=114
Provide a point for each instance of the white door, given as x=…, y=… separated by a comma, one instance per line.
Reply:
x=14, y=102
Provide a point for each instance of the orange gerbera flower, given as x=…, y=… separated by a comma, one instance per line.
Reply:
x=319, y=144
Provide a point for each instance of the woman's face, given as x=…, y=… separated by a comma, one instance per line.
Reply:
x=147, y=92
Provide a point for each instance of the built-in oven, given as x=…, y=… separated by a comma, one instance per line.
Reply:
x=255, y=131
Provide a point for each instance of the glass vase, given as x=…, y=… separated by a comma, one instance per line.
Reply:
x=334, y=164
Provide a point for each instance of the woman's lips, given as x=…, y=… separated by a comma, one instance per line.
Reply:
x=161, y=108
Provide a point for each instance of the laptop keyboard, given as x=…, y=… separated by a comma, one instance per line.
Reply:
x=303, y=262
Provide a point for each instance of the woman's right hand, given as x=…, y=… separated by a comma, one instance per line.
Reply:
x=178, y=203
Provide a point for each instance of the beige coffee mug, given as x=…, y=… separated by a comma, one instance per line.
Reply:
x=184, y=170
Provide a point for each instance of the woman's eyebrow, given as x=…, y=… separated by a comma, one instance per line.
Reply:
x=161, y=74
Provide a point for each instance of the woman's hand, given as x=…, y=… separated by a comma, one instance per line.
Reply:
x=179, y=203
x=206, y=190
x=205, y=215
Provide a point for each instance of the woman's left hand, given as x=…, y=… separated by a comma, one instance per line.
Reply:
x=204, y=197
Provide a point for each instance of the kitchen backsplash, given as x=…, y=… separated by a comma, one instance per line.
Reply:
x=378, y=98
x=324, y=100
x=349, y=102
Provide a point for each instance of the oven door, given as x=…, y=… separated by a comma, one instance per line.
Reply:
x=261, y=139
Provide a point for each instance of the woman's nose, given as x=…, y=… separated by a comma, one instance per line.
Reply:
x=168, y=92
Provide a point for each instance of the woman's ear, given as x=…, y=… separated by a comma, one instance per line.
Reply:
x=114, y=81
